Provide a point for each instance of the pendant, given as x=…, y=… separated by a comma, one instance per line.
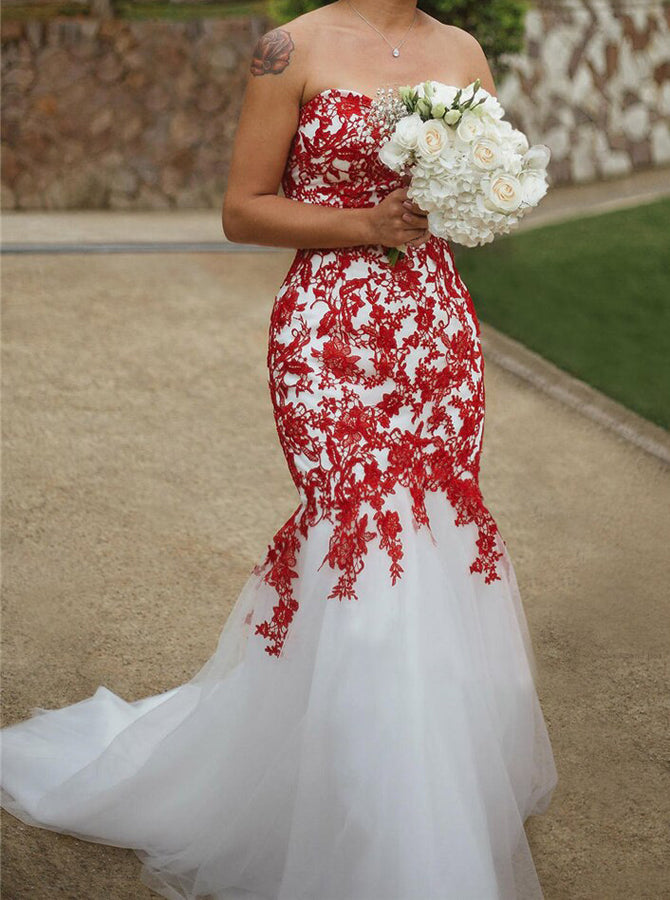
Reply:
x=396, y=52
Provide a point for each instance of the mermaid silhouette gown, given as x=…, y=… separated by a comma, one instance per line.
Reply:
x=368, y=727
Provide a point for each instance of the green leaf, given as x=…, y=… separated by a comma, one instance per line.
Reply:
x=393, y=254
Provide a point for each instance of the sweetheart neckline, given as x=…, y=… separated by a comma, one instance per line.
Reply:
x=336, y=90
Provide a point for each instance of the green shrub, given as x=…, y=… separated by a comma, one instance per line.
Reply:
x=497, y=24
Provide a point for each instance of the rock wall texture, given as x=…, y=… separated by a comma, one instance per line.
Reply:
x=593, y=84
x=121, y=114
x=141, y=114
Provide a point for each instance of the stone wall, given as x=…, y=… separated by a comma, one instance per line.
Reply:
x=121, y=114
x=141, y=114
x=594, y=85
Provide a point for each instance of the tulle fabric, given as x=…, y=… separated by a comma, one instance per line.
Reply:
x=392, y=752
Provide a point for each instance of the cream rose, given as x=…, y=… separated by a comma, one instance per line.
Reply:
x=504, y=191
x=486, y=153
x=433, y=137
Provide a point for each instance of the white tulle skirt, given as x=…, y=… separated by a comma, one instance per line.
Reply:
x=392, y=752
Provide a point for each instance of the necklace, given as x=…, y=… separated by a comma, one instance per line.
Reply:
x=395, y=51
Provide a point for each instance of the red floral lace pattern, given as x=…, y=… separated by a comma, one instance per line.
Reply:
x=375, y=374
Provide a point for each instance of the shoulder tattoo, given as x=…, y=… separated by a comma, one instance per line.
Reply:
x=271, y=53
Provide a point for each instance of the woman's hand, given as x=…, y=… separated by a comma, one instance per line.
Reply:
x=398, y=220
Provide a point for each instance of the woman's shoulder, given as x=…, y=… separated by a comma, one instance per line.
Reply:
x=292, y=40
x=454, y=33
x=283, y=44
x=301, y=41
x=455, y=43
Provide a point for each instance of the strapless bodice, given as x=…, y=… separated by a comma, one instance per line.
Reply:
x=333, y=159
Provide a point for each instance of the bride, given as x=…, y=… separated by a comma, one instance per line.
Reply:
x=368, y=727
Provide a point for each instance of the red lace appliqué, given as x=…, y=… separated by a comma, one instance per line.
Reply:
x=375, y=374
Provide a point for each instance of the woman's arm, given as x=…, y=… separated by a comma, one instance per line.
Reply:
x=252, y=210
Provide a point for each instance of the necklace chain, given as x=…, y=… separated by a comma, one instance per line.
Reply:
x=395, y=51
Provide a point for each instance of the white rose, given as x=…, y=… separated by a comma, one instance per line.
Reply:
x=491, y=104
x=499, y=129
x=393, y=155
x=537, y=156
x=469, y=127
x=486, y=153
x=533, y=186
x=407, y=131
x=444, y=93
x=504, y=192
x=432, y=138
x=519, y=141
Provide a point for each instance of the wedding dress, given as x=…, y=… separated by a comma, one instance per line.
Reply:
x=368, y=727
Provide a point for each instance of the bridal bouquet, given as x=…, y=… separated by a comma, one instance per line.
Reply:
x=471, y=171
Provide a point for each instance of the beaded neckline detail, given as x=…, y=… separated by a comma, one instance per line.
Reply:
x=351, y=92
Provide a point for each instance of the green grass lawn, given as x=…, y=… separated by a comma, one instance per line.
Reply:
x=592, y=295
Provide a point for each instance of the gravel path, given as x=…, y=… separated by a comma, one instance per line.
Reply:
x=143, y=479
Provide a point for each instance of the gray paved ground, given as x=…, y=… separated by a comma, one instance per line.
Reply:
x=143, y=479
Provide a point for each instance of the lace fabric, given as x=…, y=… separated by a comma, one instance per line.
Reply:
x=376, y=374
x=390, y=747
